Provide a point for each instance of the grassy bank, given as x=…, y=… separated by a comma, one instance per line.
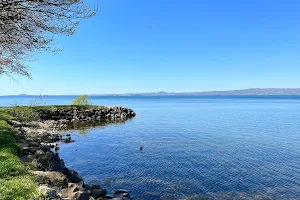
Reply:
x=15, y=180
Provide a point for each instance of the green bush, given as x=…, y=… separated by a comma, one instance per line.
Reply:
x=81, y=100
x=27, y=113
x=23, y=113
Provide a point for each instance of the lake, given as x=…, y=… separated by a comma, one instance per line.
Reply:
x=194, y=147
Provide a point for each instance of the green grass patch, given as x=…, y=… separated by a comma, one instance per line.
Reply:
x=16, y=182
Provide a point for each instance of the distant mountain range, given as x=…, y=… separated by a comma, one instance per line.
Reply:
x=252, y=91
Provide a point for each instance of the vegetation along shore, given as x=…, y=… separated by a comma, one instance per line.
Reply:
x=30, y=166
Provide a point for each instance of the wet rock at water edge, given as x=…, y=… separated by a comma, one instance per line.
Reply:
x=108, y=196
x=81, y=195
x=54, y=138
x=73, y=176
x=39, y=153
x=74, y=191
x=67, y=140
x=95, y=186
x=45, y=148
x=97, y=193
x=125, y=195
x=34, y=144
x=117, y=192
x=87, y=187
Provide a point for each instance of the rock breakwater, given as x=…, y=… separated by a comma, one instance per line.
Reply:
x=39, y=141
x=77, y=114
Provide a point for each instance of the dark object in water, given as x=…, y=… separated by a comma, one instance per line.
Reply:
x=56, y=148
x=106, y=182
x=141, y=148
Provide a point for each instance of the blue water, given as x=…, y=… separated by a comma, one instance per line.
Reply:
x=194, y=147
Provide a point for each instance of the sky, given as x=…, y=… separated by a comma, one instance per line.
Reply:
x=137, y=46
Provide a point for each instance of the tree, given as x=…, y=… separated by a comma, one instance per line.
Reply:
x=81, y=100
x=27, y=27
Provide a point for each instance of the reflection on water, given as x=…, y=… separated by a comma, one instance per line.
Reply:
x=83, y=127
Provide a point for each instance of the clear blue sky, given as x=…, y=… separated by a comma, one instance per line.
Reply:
x=172, y=45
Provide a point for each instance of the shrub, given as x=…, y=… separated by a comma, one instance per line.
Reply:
x=81, y=100
x=23, y=113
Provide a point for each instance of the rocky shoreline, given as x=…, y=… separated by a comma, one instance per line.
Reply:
x=39, y=141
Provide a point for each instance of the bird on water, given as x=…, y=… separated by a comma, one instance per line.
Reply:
x=141, y=148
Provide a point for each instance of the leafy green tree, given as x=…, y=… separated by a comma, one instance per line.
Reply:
x=81, y=100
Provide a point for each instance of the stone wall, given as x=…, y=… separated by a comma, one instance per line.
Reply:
x=75, y=113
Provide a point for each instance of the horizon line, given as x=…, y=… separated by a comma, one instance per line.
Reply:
x=159, y=92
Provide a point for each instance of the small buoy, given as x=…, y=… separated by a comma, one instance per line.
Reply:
x=141, y=148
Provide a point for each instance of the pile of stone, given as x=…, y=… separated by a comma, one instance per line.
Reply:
x=75, y=114
x=39, y=142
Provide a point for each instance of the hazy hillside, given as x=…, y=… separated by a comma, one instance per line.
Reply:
x=252, y=91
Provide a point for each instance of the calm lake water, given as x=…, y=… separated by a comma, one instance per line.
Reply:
x=194, y=147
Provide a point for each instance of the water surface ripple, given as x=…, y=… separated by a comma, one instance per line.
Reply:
x=194, y=148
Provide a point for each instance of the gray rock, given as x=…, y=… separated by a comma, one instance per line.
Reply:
x=108, y=197
x=51, y=178
x=116, y=192
x=46, y=157
x=48, y=192
x=45, y=148
x=15, y=123
x=74, y=191
x=32, y=150
x=87, y=187
x=34, y=144
x=97, y=193
x=39, y=153
x=73, y=176
x=81, y=195
x=95, y=186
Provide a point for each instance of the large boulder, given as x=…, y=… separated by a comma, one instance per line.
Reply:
x=75, y=191
x=81, y=195
x=51, y=178
x=47, y=191
x=98, y=193
x=34, y=144
x=73, y=176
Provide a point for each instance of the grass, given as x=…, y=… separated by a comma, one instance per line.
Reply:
x=16, y=183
